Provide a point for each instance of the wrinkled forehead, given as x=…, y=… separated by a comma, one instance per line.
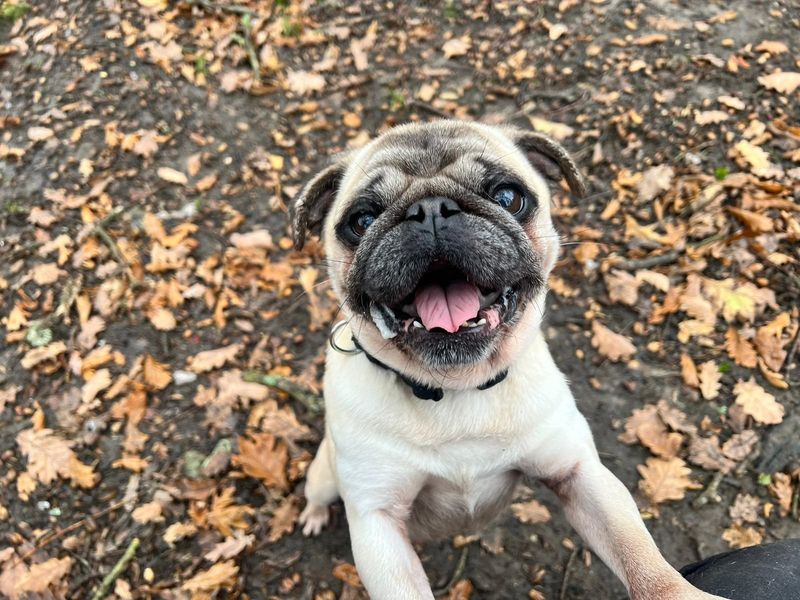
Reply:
x=411, y=159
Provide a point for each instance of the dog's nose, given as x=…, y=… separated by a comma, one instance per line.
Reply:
x=429, y=212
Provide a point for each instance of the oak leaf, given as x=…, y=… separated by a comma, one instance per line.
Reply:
x=689, y=371
x=264, y=458
x=781, y=488
x=48, y=455
x=664, y=479
x=213, y=359
x=304, y=82
x=172, y=175
x=162, y=319
x=744, y=509
x=40, y=355
x=611, y=345
x=706, y=453
x=709, y=376
x=456, y=47
x=757, y=402
x=222, y=574
x=740, y=445
x=348, y=574
x=784, y=82
x=283, y=519
x=178, y=531
x=40, y=576
x=230, y=547
x=622, y=287
x=148, y=513
x=225, y=515
x=740, y=349
x=739, y=536
x=156, y=375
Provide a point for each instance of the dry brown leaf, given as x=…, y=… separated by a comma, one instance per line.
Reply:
x=710, y=377
x=785, y=82
x=156, y=375
x=757, y=402
x=754, y=222
x=264, y=458
x=640, y=417
x=48, y=455
x=739, y=536
x=8, y=395
x=611, y=345
x=664, y=479
x=40, y=576
x=39, y=134
x=135, y=464
x=148, y=513
x=178, y=531
x=731, y=102
x=225, y=515
x=559, y=131
x=172, y=175
x=281, y=422
x=755, y=156
x=531, y=512
x=348, y=574
x=162, y=319
x=40, y=355
x=221, y=575
x=656, y=438
x=781, y=488
x=773, y=47
x=710, y=117
x=740, y=445
x=99, y=381
x=231, y=547
x=622, y=287
x=745, y=509
x=283, y=519
x=462, y=590
x=46, y=274
x=304, y=82
x=740, y=350
x=654, y=181
x=689, y=371
x=87, y=338
x=260, y=238
x=213, y=359
x=456, y=47
x=706, y=453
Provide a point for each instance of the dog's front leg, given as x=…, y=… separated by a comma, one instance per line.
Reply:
x=603, y=512
x=385, y=559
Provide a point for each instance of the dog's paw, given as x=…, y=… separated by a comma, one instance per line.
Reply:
x=313, y=518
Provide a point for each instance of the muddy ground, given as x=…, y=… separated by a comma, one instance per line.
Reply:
x=686, y=72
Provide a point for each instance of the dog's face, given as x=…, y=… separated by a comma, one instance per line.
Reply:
x=439, y=239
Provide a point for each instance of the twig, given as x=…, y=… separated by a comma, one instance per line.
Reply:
x=796, y=501
x=457, y=572
x=246, y=42
x=118, y=569
x=231, y=8
x=792, y=351
x=562, y=594
x=49, y=538
x=429, y=108
x=311, y=401
x=648, y=262
x=711, y=493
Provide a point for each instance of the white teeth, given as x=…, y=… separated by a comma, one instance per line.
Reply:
x=417, y=324
x=482, y=321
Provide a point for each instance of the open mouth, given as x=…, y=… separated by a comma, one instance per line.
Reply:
x=446, y=302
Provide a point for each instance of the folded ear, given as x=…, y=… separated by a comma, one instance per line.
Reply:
x=309, y=208
x=551, y=159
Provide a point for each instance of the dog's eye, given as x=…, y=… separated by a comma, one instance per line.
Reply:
x=359, y=222
x=510, y=198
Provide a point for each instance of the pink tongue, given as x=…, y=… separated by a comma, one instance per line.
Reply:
x=447, y=307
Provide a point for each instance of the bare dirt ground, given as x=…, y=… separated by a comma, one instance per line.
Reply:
x=147, y=152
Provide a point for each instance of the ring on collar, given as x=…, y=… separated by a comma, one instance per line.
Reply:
x=332, y=339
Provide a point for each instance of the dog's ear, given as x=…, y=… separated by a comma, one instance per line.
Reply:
x=309, y=208
x=551, y=159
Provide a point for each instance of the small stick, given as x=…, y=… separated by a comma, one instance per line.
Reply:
x=457, y=572
x=48, y=538
x=429, y=108
x=648, y=262
x=796, y=501
x=562, y=594
x=311, y=401
x=231, y=8
x=711, y=493
x=118, y=569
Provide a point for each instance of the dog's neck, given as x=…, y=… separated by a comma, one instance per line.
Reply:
x=421, y=390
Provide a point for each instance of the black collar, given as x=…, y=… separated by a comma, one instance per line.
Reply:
x=420, y=390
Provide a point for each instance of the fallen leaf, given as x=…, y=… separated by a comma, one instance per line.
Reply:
x=706, y=453
x=264, y=458
x=230, y=547
x=611, y=345
x=558, y=131
x=664, y=479
x=222, y=574
x=689, y=371
x=99, y=381
x=260, y=238
x=304, y=82
x=731, y=102
x=225, y=515
x=148, y=513
x=739, y=536
x=7, y=395
x=39, y=134
x=654, y=181
x=757, y=402
x=462, y=590
x=48, y=455
x=178, y=531
x=740, y=350
x=348, y=574
x=755, y=222
x=744, y=509
x=781, y=488
x=710, y=117
x=773, y=47
x=556, y=31
x=212, y=359
x=530, y=512
x=456, y=47
x=172, y=175
x=757, y=157
x=156, y=375
x=163, y=319
x=710, y=377
x=46, y=274
x=622, y=287
x=740, y=445
x=784, y=82
x=283, y=519
x=40, y=576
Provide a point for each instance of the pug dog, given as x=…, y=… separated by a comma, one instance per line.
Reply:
x=440, y=390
